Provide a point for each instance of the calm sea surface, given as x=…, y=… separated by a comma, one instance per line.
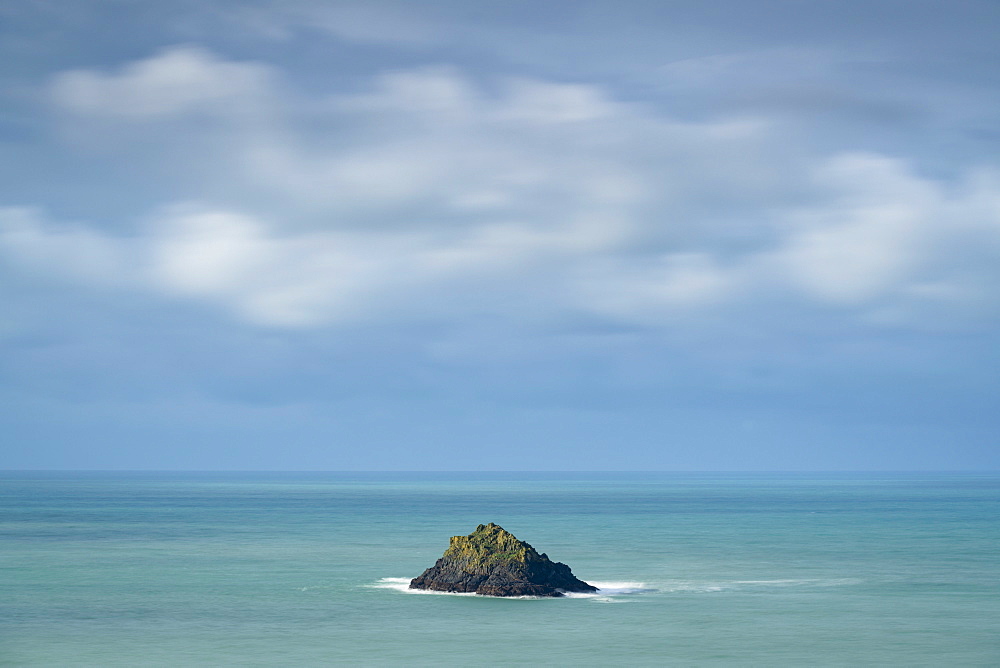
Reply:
x=304, y=569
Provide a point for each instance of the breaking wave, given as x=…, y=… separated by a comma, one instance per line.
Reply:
x=606, y=591
x=403, y=585
x=612, y=592
x=621, y=592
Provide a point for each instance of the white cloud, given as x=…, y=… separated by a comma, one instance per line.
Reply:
x=869, y=237
x=542, y=102
x=883, y=232
x=178, y=80
x=433, y=139
x=310, y=278
x=240, y=262
x=432, y=196
x=209, y=253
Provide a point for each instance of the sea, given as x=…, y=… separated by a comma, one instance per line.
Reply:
x=311, y=569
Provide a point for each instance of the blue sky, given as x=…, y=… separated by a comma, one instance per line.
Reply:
x=730, y=235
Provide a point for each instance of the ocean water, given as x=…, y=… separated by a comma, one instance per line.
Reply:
x=309, y=569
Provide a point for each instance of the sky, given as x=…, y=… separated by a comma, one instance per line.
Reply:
x=637, y=235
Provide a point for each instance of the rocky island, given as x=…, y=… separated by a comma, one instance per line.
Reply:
x=492, y=562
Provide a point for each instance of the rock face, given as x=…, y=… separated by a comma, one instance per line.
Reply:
x=492, y=562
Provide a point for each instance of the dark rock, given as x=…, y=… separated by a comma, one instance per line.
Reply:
x=492, y=562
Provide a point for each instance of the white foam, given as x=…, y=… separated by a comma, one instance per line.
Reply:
x=604, y=594
x=392, y=583
x=622, y=588
x=693, y=587
x=403, y=585
x=737, y=585
x=621, y=591
x=807, y=582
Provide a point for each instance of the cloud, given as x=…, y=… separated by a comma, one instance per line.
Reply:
x=438, y=145
x=310, y=278
x=292, y=280
x=868, y=238
x=429, y=195
x=180, y=79
x=884, y=232
x=540, y=102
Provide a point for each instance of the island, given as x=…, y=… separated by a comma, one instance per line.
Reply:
x=492, y=562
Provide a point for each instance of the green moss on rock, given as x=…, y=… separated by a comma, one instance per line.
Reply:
x=492, y=562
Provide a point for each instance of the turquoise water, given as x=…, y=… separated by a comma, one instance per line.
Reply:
x=183, y=569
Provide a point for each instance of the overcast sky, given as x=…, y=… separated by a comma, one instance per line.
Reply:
x=672, y=235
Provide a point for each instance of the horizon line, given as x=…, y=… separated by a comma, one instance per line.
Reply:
x=124, y=470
